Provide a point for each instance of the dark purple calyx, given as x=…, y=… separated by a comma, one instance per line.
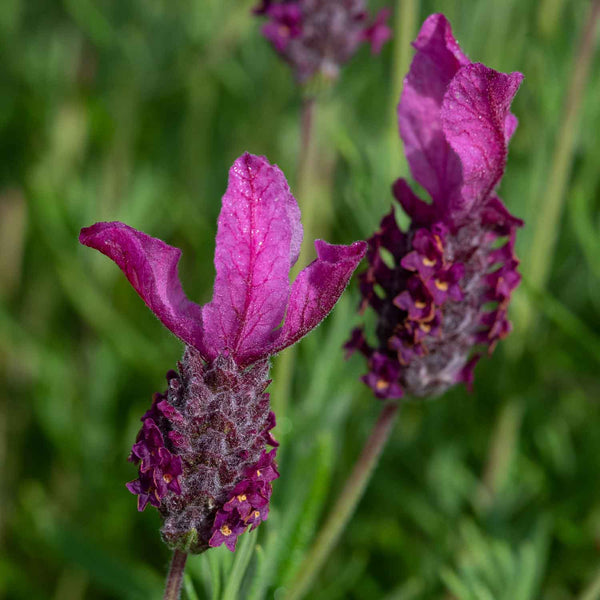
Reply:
x=201, y=452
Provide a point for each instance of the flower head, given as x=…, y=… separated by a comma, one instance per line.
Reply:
x=201, y=449
x=442, y=289
x=318, y=36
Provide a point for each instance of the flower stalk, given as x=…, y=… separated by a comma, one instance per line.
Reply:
x=346, y=502
x=175, y=576
x=306, y=162
x=282, y=385
x=405, y=23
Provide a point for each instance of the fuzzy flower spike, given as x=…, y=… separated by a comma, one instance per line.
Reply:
x=441, y=290
x=318, y=36
x=201, y=449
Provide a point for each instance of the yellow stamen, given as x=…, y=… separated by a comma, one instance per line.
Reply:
x=256, y=514
x=242, y=498
x=425, y=327
x=428, y=262
x=258, y=473
x=420, y=304
x=441, y=285
x=382, y=385
x=225, y=531
x=167, y=478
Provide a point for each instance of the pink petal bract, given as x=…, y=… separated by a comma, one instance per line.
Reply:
x=477, y=122
x=150, y=265
x=454, y=120
x=258, y=240
x=316, y=290
x=432, y=162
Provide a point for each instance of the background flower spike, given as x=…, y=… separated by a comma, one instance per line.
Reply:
x=316, y=37
x=455, y=267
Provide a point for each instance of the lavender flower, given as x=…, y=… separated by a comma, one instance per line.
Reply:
x=318, y=36
x=441, y=290
x=201, y=449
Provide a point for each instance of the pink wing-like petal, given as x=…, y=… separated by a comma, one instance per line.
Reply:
x=432, y=162
x=258, y=240
x=151, y=267
x=477, y=124
x=316, y=290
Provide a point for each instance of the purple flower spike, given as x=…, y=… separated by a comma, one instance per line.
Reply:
x=201, y=449
x=455, y=268
x=319, y=36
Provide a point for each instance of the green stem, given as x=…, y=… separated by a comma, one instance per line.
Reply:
x=305, y=178
x=406, y=15
x=501, y=453
x=284, y=366
x=547, y=223
x=175, y=576
x=345, y=504
x=307, y=119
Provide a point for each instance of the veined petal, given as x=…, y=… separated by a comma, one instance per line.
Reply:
x=432, y=161
x=150, y=265
x=477, y=124
x=258, y=240
x=315, y=291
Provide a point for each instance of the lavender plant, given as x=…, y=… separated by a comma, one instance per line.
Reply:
x=201, y=451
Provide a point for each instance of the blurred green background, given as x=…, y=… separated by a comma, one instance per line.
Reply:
x=134, y=110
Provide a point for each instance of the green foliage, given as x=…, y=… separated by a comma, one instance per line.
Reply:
x=491, y=569
x=134, y=111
